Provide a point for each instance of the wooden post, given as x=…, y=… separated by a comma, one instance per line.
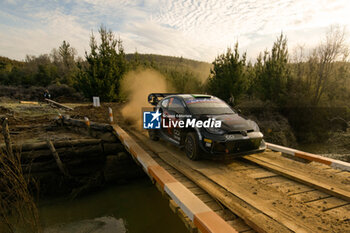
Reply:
x=59, y=163
x=110, y=113
x=87, y=123
x=6, y=133
x=61, y=118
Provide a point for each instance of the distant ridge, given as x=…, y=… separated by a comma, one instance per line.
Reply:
x=201, y=68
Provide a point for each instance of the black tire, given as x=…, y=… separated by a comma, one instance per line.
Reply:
x=153, y=135
x=191, y=146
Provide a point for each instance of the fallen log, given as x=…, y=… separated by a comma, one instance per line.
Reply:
x=72, y=152
x=65, y=152
x=58, y=144
x=81, y=123
x=74, y=165
x=26, y=127
x=58, y=104
x=59, y=163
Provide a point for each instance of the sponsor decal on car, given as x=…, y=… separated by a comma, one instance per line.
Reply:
x=152, y=120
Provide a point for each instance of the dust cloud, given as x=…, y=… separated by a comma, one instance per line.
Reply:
x=136, y=86
x=203, y=72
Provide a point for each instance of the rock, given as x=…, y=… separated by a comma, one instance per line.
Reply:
x=98, y=225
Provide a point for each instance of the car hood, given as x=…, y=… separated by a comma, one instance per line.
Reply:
x=233, y=122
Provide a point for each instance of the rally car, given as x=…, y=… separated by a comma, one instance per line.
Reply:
x=220, y=131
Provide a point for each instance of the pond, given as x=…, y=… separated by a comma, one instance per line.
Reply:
x=135, y=207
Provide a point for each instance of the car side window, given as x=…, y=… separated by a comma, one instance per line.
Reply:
x=177, y=106
x=165, y=103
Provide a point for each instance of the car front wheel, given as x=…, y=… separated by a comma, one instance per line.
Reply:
x=191, y=146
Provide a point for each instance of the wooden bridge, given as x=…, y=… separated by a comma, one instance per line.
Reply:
x=279, y=190
x=264, y=192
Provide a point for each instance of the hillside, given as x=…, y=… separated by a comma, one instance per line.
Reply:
x=166, y=63
x=199, y=68
x=7, y=64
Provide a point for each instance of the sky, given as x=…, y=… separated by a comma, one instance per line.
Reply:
x=195, y=29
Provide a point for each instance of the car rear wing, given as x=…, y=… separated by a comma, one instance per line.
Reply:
x=154, y=98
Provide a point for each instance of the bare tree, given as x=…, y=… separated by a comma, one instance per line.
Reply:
x=299, y=58
x=322, y=62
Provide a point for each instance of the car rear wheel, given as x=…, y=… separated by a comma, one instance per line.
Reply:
x=191, y=146
x=153, y=135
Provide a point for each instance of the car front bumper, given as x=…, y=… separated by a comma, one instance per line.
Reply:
x=233, y=144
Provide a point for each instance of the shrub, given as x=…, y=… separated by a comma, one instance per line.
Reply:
x=64, y=92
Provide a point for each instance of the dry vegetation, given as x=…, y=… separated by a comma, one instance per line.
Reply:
x=18, y=211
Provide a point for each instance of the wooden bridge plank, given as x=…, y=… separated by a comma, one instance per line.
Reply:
x=341, y=212
x=260, y=222
x=291, y=187
x=328, y=203
x=318, y=184
x=310, y=196
x=262, y=174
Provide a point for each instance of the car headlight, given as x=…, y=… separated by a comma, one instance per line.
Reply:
x=215, y=130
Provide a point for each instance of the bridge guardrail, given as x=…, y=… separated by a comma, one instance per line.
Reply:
x=337, y=164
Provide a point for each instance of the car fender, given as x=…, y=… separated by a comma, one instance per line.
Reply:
x=198, y=133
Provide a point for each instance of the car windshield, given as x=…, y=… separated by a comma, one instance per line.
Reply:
x=208, y=106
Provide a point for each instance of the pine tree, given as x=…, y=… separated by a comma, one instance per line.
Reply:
x=273, y=72
x=228, y=77
x=106, y=66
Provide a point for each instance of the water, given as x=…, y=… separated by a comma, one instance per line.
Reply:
x=137, y=207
